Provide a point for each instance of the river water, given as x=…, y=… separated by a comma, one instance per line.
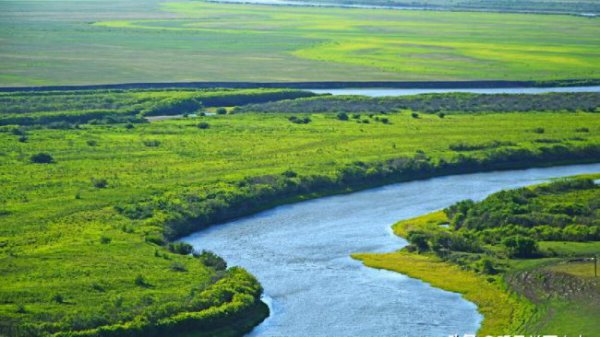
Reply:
x=374, y=92
x=301, y=255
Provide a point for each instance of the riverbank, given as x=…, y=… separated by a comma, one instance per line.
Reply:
x=108, y=195
x=488, y=84
x=504, y=312
x=525, y=295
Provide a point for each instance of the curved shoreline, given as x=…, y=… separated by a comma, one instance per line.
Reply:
x=503, y=311
x=483, y=84
x=249, y=235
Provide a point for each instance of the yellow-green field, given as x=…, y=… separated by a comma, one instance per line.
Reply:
x=72, y=42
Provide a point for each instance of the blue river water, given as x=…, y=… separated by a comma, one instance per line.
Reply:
x=301, y=255
x=374, y=92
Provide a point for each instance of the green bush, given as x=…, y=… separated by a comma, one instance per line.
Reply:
x=212, y=260
x=520, y=246
x=42, y=158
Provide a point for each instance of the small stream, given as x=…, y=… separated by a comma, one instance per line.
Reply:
x=301, y=255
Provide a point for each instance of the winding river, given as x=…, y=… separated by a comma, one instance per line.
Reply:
x=300, y=253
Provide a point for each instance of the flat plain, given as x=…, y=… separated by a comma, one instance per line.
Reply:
x=73, y=42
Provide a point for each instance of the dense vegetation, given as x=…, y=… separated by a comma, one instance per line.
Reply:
x=565, y=210
x=89, y=214
x=436, y=103
x=99, y=42
x=533, y=241
x=64, y=108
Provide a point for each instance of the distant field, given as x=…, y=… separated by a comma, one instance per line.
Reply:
x=541, y=6
x=86, y=42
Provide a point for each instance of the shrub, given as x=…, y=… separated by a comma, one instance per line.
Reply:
x=539, y=130
x=129, y=126
x=42, y=158
x=140, y=281
x=297, y=120
x=290, y=174
x=520, y=246
x=98, y=287
x=91, y=143
x=58, y=298
x=181, y=248
x=22, y=139
x=384, y=120
x=99, y=183
x=342, y=116
x=152, y=143
x=178, y=266
x=441, y=115
x=203, y=125
x=155, y=239
x=18, y=132
x=212, y=260
x=414, y=115
x=487, y=266
x=221, y=111
x=419, y=240
x=20, y=309
x=582, y=130
x=105, y=240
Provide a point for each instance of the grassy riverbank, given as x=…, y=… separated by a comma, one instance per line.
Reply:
x=88, y=211
x=552, y=291
x=99, y=42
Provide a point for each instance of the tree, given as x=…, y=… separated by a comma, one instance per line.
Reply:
x=212, y=260
x=342, y=116
x=419, y=240
x=181, y=248
x=42, y=158
x=520, y=246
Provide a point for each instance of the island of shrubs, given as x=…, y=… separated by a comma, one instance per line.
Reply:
x=516, y=221
x=435, y=103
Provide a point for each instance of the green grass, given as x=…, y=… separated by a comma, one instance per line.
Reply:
x=571, y=248
x=504, y=313
x=538, y=6
x=61, y=235
x=68, y=42
x=550, y=295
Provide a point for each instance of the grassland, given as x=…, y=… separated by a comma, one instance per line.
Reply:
x=549, y=294
x=82, y=239
x=73, y=42
x=537, y=6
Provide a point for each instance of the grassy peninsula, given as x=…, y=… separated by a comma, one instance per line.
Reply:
x=523, y=256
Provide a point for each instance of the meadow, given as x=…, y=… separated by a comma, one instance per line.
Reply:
x=72, y=42
x=546, y=285
x=89, y=211
x=537, y=6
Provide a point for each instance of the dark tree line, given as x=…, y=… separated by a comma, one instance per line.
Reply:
x=435, y=103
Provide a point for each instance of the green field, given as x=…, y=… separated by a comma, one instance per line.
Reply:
x=82, y=239
x=547, y=292
x=538, y=6
x=85, y=42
